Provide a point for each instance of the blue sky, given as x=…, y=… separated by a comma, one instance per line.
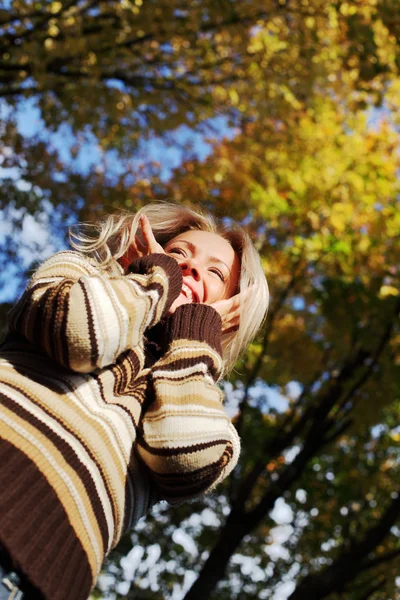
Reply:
x=29, y=122
x=169, y=155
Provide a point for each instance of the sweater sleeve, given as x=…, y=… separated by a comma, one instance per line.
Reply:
x=84, y=318
x=186, y=438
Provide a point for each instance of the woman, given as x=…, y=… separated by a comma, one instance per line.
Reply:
x=108, y=386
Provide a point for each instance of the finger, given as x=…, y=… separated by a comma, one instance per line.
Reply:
x=240, y=298
x=230, y=329
x=231, y=324
x=133, y=247
x=232, y=307
x=140, y=245
x=147, y=232
x=227, y=306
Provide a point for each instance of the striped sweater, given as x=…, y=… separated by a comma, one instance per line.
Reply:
x=94, y=429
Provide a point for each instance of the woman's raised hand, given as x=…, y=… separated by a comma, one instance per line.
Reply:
x=149, y=244
x=230, y=309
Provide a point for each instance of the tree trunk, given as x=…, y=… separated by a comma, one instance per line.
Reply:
x=214, y=568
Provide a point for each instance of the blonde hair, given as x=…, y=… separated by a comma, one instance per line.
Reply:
x=108, y=239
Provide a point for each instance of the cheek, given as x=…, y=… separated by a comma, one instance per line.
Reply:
x=217, y=291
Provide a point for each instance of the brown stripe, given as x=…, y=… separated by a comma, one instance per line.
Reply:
x=94, y=353
x=101, y=467
x=38, y=317
x=151, y=264
x=70, y=457
x=99, y=382
x=51, y=324
x=176, y=486
x=63, y=345
x=153, y=286
x=55, y=313
x=181, y=449
x=36, y=531
x=120, y=372
x=199, y=375
x=125, y=371
x=196, y=473
x=61, y=391
x=171, y=364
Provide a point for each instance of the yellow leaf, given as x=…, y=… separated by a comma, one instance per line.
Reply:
x=55, y=7
x=234, y=96
x=338, y=222
x=53, y=30
x=388, y=290
x=220, y=93
x=364, y=244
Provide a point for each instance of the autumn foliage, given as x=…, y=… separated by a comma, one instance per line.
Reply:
x=298, y=101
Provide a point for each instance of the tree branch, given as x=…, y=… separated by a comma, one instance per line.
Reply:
x=350, y=562
x=298, y=273
x=374, y=360
x=379, y=560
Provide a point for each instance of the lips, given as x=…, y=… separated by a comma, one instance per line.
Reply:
x=189, y=293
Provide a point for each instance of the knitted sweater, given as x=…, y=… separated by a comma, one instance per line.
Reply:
x=94, y=431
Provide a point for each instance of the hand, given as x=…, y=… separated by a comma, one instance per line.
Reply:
x=230, y=309
x=137, y=249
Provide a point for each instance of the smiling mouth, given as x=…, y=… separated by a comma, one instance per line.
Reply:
x=188, y=293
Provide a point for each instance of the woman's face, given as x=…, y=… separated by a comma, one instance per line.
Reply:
x=210, y=267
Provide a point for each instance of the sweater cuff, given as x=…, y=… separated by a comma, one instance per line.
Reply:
x=145, y=264
x=194, y=322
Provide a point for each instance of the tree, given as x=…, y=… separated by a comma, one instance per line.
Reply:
x=311, y=172
x=322, y=192
x=152, y=66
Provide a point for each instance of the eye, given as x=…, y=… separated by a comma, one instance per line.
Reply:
x=219, y=273
x=176, y=251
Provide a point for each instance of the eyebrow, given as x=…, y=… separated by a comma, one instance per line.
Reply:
x=192, y=248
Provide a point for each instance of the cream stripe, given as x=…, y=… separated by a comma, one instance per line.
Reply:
x=68, y=262
x=79, y=449
x=150, y=293
x=108, y=429
x=114, y=445
x=184, y=429
x=61, y=473
x=89, y=407
x=105, y=320
x=183, y=372
x=41, y=280
x=110, y=379
x=199, y=406
x=113, y=419
x=161, y=278
x=114, y=289
x=210, y=401
x=193, y=347
x=139, y=307
x=183, y=464
x=130, y=316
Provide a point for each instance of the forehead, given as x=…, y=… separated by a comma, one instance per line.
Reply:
x=208, y=243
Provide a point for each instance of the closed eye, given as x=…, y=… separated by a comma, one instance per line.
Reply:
x=219, y=273
x=176, y=251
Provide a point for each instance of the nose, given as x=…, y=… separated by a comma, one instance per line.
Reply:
x=189, y=267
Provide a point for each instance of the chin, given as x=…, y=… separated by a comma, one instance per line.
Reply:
x=180, y=301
